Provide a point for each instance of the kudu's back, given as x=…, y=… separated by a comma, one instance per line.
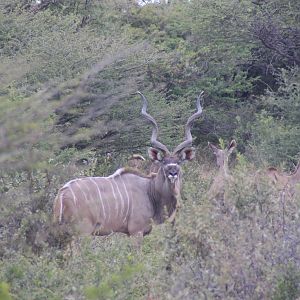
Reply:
x=127, y=201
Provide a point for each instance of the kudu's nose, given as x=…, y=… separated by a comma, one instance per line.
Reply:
x=173, y=173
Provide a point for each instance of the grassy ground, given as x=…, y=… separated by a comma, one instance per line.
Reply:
x=244, y=248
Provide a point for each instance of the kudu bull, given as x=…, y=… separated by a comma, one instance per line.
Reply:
x=128, y=201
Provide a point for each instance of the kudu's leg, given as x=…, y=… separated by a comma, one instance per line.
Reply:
x=137, y=229
x=83, y=228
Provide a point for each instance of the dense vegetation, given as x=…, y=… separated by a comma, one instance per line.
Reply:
x=69, y=72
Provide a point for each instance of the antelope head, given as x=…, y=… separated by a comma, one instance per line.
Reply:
x=274, y=174
x=169, y=161
x=222, y=155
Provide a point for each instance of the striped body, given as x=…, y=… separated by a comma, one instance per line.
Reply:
x=128, y=200
x=102, y=205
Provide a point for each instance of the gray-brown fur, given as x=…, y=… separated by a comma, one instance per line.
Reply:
x=285, y=181
x=127, y=201
x=217, y=189
x=138, y=162
x=124, y=202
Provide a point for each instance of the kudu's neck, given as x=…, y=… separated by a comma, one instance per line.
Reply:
x=223, y=168
x=296, y=174
x=163, y=196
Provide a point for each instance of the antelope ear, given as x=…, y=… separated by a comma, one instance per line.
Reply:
x=154, y=154
x=187, y=154
x=214, y=148
x=231, y=146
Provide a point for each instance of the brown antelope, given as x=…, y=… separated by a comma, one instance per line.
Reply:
x=128, y=201
x=285, y=181
x=137, y=161
x=217, y=188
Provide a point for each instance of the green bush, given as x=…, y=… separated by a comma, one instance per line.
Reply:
x=69, y=74
x=275, y=133
x=288, y=284
x=4, y=291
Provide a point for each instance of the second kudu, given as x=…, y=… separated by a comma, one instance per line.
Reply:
x=138, y=162
x=217, y=188
x=128, y=201
x=284, y=181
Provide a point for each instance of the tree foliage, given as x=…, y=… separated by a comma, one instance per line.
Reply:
x=69, y=72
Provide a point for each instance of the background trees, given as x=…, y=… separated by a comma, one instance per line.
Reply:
x=69, y=71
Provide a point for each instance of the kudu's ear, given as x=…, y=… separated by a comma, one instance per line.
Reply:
x=187, y=154
x=154, y=154
x=214, y=148
x=231, y=146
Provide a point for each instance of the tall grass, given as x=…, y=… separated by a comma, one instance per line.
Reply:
x=250, y=250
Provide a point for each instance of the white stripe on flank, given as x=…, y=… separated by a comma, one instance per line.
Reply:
x=71, y=181
x=131, y=195
x=100, y=197
x=121, y=198
x=108, y=197
x=68, y=185
x=89, y=197
x=73, y=194
x=127, y=199
x=86, y=199
x=61, y=208
x=116, y=200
